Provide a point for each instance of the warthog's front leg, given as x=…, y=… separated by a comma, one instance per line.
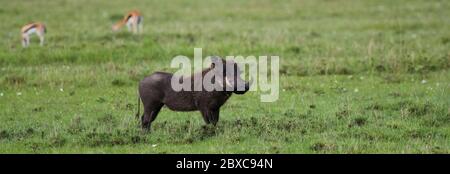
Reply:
x=210, y=116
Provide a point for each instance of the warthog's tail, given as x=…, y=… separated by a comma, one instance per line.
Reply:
x=138, y=104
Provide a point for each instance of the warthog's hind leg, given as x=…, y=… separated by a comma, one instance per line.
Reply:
x=150, y=114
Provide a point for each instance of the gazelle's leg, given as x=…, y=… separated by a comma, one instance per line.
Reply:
x=24, y=41
x=140, y=27
x=135, y=26
x=128, y=26
x=41, y=38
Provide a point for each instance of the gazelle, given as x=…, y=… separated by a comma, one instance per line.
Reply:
x=133, y=21
x=31, y=28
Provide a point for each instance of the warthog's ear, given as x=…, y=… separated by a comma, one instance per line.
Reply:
x=215, y=61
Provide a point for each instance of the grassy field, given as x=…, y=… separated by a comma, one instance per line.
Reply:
x=357, y=76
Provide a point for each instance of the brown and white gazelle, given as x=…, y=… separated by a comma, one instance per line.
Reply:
x=31, y=28
x=133, y=21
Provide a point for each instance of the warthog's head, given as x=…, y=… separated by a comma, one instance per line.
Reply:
x=228, y=75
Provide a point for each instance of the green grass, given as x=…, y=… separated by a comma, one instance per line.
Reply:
x=356, y=76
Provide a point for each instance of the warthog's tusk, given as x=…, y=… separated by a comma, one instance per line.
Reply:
x=228, y=82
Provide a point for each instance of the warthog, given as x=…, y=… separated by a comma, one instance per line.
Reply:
x=156, y=90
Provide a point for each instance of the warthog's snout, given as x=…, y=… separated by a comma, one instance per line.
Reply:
x=246, y=88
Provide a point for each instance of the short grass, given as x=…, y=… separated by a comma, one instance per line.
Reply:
x=356, y=76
